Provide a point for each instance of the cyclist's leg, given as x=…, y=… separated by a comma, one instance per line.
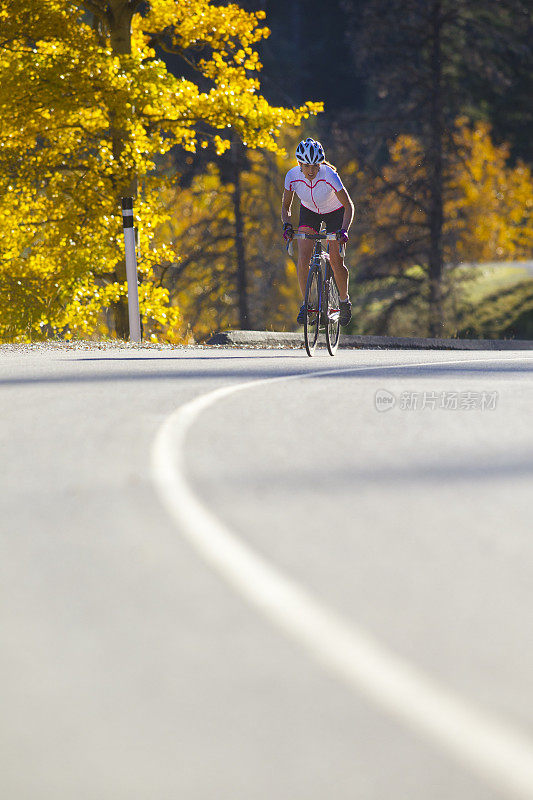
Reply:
x=309, y=223
x=340, y=270
x=305, y=251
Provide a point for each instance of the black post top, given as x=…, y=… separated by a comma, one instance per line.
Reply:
x=127, y=203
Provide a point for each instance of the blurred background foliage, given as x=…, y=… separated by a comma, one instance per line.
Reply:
x=427, y=116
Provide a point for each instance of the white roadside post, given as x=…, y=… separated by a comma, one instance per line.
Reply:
x=131, y=269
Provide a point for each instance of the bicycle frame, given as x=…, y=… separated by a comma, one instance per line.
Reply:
x=325, y=313
x=318, y=252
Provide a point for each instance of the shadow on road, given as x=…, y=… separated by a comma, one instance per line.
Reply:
x=306, y=367
x=384, y=477
x=178, y=358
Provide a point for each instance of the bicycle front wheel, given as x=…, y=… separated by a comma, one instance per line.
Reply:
x=313, y=292
x=333, y=315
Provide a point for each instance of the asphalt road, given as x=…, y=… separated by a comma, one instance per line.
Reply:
x=219, y=591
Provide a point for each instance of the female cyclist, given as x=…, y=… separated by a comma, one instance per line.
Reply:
x=323, y=199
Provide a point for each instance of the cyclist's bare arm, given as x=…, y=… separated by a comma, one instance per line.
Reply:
x=344, y=198
x=286, y=204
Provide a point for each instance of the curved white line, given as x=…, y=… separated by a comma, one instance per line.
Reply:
x=496, y=752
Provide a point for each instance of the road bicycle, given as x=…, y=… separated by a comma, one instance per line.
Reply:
x=322, y=304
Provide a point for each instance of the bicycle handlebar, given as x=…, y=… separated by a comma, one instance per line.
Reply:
x=330, y=236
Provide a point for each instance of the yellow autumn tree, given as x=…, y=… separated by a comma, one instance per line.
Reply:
x=488, y=216
x=489, y=209
x=88, y=110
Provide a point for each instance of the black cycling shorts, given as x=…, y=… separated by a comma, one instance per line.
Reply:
x=313, y=220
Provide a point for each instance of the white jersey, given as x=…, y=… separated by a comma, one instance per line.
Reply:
x=317, y=195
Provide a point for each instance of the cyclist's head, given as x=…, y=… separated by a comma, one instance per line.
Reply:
x=310, y=151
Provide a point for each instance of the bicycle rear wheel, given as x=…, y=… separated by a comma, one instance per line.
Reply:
x=313, y=292
x=333, y=314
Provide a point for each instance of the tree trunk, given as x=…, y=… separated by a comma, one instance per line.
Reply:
x=435, y=169
x=120, y=15
x=242, y=287
x=297, y=49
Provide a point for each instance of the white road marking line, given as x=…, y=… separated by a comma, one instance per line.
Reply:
x=499, y=754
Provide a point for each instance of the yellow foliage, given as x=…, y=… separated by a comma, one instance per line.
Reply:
x=490, y=205
x=487, y=216
x=81, y=122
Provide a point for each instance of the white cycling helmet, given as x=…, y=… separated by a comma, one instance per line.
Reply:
x=310, y=151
